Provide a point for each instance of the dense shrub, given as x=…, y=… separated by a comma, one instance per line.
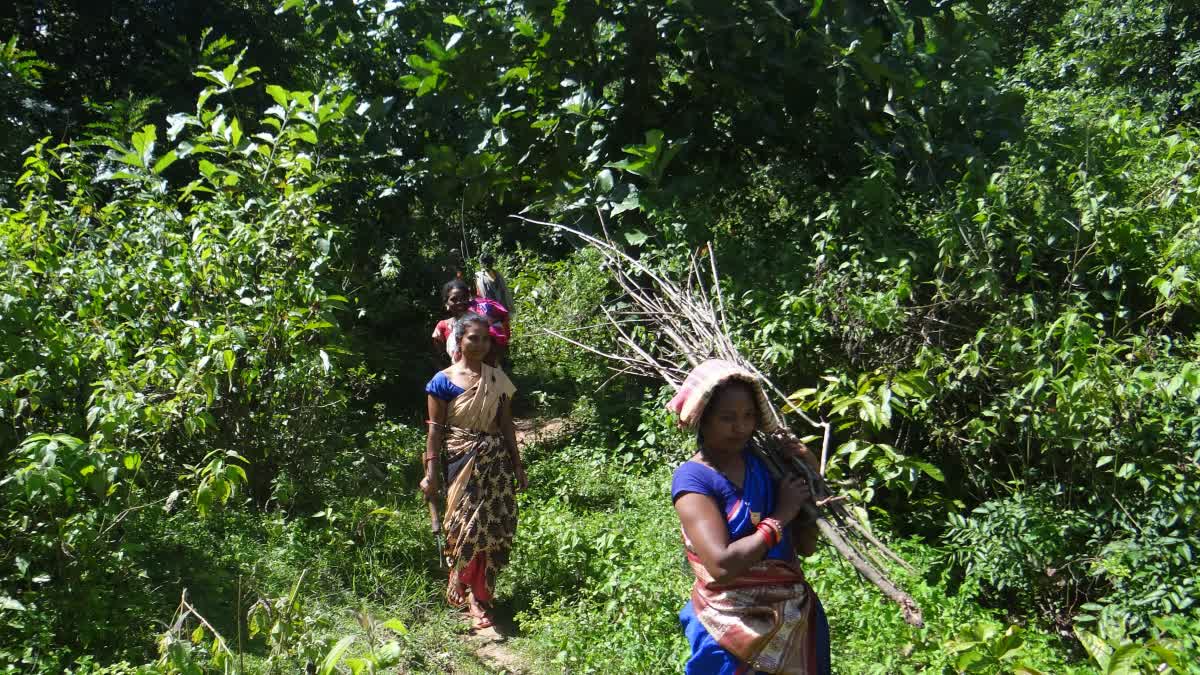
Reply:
x=170, y=339
x=562, y=296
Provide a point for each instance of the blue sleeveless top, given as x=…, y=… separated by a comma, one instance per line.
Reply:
x=440, y=387
x=743, y=508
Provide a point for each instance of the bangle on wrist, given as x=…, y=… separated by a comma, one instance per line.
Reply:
x=776, y=527
x=766, y=537
x=770, y=531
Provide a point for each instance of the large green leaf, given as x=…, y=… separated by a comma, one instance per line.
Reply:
x=330, y=663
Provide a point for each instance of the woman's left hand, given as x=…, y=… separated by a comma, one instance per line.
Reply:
x=522, y=480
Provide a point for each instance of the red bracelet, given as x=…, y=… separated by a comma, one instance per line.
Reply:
x=775, y=527
x=774, y=524
x=767, y=536
x=771, y=534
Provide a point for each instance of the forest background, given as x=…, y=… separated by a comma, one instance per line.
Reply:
x=965, y=232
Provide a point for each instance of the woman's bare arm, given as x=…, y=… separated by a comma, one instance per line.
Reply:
x=709, y=534
x=707, y=530
x=509, y=432
x=433, y=445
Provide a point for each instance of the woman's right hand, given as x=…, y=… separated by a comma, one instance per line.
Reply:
x=794, y=493
x=429, y=486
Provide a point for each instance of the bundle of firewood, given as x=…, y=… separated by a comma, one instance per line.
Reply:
x=687, y=320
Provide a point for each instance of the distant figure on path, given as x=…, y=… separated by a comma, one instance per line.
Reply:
x=490, y=284
x=456, y=298
x=472, y=447
x=751, y=609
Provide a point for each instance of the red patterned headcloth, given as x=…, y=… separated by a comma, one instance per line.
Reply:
x=692, y=398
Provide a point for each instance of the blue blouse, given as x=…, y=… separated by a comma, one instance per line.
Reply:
x=743, y=507
x=440, y=387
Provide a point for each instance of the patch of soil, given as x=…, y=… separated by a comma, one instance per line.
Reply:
x=539, y=430
x=491, y=649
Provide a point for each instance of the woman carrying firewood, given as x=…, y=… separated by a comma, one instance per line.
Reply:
x=751, y=608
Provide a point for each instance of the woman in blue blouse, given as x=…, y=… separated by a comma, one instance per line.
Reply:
x=472, y=446
x=751, y=608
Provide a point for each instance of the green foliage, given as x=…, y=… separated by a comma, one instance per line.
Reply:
x=596, y=581
x=21, y=110
x=982, y=648
x=560, y=296
x=964, y=233
x=1172, y=650
x=160, y=300
x=286, y=626
x=1149, y=49
x=1025, y=546
x=1031, y=342
x=657, y=440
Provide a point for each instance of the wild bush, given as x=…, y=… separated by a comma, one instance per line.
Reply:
x=1040, y=344
x=561, y=296
x=169, y=320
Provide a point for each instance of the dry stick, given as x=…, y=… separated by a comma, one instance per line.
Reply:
x=778, y=392
x=717, y=337
x=870, y=552
x=869, y=571
x=869, y=536
x=646, y=312
x=189, y=609
x=698, y=284
x=591, y=349
x=821, y=490
x=647, y=366
x=597, y=325
x=850, y=523
x=238, y=613
x=908, y=607
x=616, y=255
x=666, y=375
x=712, y=260
x=825, y=445
x=617, y=373
x=608, y=247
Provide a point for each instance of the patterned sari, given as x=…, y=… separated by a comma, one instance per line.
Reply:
x=481, y=506
x=768, y=619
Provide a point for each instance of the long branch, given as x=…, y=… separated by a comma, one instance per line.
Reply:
x=908, y=607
